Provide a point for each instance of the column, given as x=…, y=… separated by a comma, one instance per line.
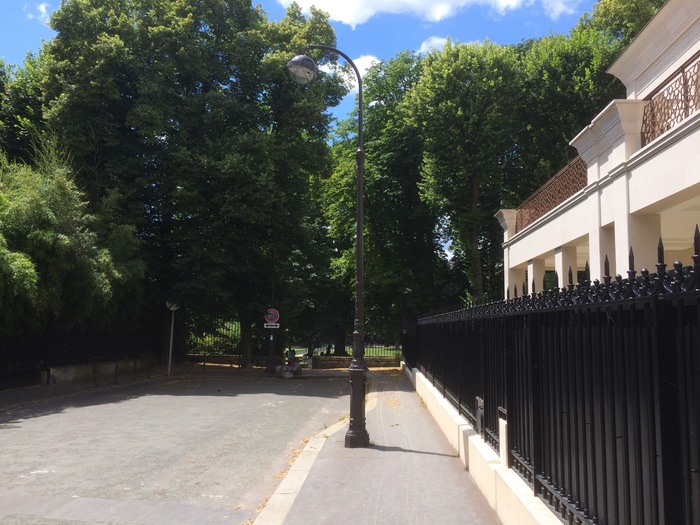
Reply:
x=506, y=219
x=515, y=277
x=642, y=233
x=535, y=273
x=565, y=258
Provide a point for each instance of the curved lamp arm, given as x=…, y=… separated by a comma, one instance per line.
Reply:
x=303, y=70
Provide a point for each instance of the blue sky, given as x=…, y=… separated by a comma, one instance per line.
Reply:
x=366, y=30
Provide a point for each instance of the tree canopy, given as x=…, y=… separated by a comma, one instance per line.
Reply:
x=182, y=123
x=156, y=150
x=621, y=20
x=460, y=133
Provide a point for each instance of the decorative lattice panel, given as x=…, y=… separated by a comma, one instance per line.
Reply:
x=673, y=102
x=568, y=181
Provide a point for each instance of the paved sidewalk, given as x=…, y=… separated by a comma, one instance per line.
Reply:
x=408, y=474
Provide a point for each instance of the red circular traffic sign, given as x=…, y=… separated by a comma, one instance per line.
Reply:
x=272, y=315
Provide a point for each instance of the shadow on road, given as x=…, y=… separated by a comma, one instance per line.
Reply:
x=185, y=380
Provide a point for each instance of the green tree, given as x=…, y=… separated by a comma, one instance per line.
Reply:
x=621, y=20
x=463, y=106
x=52, y=269
x=21, y=114
x=497, y=123
x=182, y=123
x=564, y=84
x=403, y=245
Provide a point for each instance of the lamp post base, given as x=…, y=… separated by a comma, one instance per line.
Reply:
x=356, y=440
x=357, y=435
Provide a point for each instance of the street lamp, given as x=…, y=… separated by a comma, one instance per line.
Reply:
x=303, y=70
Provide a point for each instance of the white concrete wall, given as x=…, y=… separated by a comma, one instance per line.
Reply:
x=557, y=229
x=668, y=170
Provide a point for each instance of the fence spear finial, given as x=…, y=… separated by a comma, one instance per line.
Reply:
x=630, y=260
x=606, y=266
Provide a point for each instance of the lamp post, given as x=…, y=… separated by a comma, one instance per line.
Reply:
x=303, y=70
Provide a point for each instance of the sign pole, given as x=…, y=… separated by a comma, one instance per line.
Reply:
x=172, y=307
x=271, y=318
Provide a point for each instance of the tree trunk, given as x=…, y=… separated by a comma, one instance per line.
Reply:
x=339, y=336
x=475, y=256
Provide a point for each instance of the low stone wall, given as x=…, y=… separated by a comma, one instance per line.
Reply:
x=229, y=359
x=332, y=361
x=112, y=370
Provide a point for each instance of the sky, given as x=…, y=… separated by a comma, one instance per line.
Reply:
x=366, y=30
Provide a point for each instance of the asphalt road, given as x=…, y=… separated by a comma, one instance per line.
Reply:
x=209, y=449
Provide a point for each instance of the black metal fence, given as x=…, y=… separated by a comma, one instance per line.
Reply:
x=600, y=387
x=23, y=357
x=223, y=338
x=382, y=337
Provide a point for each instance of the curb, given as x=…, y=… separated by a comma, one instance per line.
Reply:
x=282, y=499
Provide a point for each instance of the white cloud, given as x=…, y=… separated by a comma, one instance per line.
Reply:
x=41, y=12
x=556, y=8
x=363, y=63
x=434, y=42
x=356, y=12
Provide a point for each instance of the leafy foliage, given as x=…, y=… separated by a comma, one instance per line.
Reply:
x=52, y=269
x=21, y=112
x=183, y=124
x=196, y=171
x=405, y=260
x=621, y=20
x=463, y=105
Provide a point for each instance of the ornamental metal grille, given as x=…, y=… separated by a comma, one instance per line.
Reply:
x=569, y=180
x=672, y=102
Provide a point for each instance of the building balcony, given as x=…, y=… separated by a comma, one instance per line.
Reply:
x=568, y=181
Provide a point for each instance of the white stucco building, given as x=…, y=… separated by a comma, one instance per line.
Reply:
x=638, y=176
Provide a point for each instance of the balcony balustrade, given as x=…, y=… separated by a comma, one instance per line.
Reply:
x=569, y=180
x=672, y=102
